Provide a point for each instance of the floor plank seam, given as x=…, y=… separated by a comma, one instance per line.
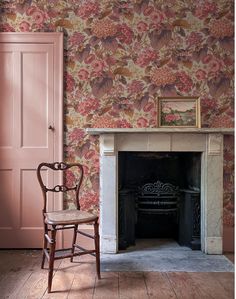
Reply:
x=31, y=273
x=146, y=285
x=54, y=273
x=172, y=288
x=71, y=286
x=118, y=284
x=94, y=286
x=222, y=285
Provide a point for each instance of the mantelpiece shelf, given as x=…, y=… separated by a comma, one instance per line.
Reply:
x=99, y=131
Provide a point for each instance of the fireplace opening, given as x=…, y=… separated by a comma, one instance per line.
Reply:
x=159, y=197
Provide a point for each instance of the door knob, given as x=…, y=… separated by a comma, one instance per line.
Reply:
x=51, y=128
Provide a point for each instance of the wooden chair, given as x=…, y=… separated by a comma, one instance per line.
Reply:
x=65, y=219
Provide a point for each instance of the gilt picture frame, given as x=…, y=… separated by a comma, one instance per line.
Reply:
x=178, y=112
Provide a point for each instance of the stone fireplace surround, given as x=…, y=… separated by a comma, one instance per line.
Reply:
x=209, y=142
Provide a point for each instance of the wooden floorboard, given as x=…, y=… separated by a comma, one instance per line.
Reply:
x=16, y=268
x=62, y=280
x=225, y=280
x=185, y=287
x=21, y=278
x=84, y=278
x=107, y=286
x=210, y=285
x=131, y=285
x=35, y=286
x=158, y=285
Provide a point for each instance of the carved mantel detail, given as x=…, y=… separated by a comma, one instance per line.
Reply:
x=107, y=145
x=215, y=142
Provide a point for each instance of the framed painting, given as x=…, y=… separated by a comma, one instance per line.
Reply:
x=179, y=112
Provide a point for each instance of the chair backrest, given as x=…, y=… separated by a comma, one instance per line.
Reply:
x=158, y=198
x=61, y=166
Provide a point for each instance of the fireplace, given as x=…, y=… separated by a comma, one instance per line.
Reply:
x=207, y=142
x=159, y=197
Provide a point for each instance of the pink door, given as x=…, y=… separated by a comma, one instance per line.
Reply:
x=30, y=132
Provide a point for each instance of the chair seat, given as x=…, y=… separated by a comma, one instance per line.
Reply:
x=69, y=217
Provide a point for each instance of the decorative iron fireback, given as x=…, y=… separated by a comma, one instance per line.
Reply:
x=159, y=188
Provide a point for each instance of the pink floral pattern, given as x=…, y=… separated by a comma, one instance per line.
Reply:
x=104, y=28
x=228, y=215
x=121, y=55
x=221, y=28
x=163, y=76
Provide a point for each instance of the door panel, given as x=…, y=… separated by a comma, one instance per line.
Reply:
x=27, y=109
x=6, y=98
x=7, y=204
x=30, y=217
x=36, y=96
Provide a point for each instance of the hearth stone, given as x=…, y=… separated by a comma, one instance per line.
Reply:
x=164, y=255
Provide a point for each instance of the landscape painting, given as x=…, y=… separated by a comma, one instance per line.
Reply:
x=179, y=112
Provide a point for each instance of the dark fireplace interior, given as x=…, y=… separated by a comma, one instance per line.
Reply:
x=148, y=206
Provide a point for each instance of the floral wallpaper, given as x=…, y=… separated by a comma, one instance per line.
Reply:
x=120, y=55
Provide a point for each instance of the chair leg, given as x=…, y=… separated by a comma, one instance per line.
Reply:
x=45, y=244
x=96, y=241
x=74, y=242
x=51, y=258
